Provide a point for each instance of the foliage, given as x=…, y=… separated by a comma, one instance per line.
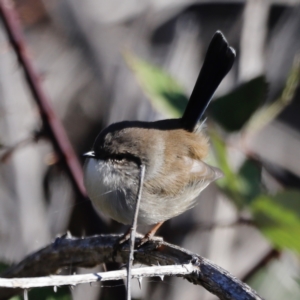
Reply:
x=278, y=217
x=3, y=267
x=166, y=95
x=240, y=104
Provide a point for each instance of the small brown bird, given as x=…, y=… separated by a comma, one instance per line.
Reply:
x=172, y=151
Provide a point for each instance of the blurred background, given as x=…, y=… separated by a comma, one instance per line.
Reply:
x=105, y=61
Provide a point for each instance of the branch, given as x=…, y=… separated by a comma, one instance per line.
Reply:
x=27, y=283
x=91, y=251
x=52, y=124
x=268, y=257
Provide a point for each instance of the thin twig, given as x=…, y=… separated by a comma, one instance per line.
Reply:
x=267, y=258
x=51, y=123
x=60, y=280
x=133, y=230
x=34, y=137
x=239, y=221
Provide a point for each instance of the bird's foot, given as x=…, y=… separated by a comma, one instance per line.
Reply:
x=120, y=242
x=149, y=236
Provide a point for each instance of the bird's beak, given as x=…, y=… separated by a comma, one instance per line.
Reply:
x=90, y=154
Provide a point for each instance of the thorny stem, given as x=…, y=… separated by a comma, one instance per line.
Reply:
x=133, y=231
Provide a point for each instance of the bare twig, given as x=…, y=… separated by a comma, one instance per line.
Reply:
x=95, y=250
x=59, y=280
x=133, y=230
x=239, y=221
x=52, y=124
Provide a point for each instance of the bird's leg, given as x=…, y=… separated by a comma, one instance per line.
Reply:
x=125, y=237
x=148, y=236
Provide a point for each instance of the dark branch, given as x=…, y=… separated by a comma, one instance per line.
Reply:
x=52, y=125
x=91, y=251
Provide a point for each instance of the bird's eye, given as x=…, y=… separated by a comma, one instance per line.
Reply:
x=125, y=158
x=119, y=157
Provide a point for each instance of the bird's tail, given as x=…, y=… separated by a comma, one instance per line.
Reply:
x=217, y=63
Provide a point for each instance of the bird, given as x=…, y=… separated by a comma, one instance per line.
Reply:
x=172, y=150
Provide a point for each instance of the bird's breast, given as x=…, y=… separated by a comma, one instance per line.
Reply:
x=111, y=188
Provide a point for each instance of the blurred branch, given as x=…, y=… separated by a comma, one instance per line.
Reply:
x=272, y=254
x=34, y=137
x=253, y=38
x=237, y=222
x=91, y=251
x=52, y=125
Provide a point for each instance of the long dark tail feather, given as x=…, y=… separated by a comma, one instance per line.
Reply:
x=217, y=63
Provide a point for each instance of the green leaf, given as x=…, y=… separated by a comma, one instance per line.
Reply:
x=233, y=110
x=230, y=184
x=242, y=186
x=3, y=267
x=278, y=218
x=165, y=94
x=250, y=172
x=47, y=293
